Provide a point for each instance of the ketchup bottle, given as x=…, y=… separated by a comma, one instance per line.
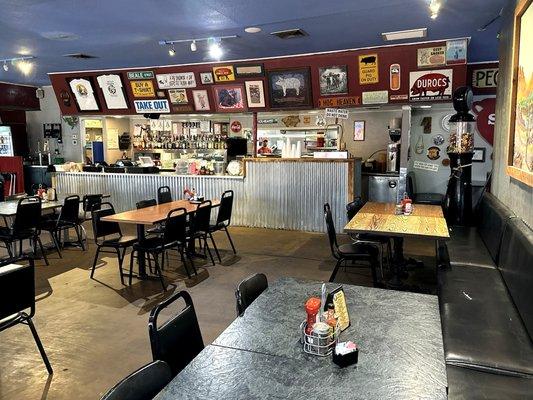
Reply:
x=312, y=307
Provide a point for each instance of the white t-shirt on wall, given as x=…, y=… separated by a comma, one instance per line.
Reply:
x=111, y=85
x=84, y=93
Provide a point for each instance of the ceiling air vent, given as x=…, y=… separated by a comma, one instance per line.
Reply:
x=79, y=55
x=290, y=33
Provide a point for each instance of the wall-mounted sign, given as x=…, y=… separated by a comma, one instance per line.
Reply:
x=142, y=88
x=140, y=75
x=183, y=108
x=178, y=96
x=248, y=70
x=426, y=166
x=394, y=78
x=336, y=113
x=264, y=121
x=339, y=101
x=112, y=138
x=151, y=106
x=399, y=97
x=456, y=51
x=376, y=97
x=430, y=85
x=178, y=80
x=236, y=126
x=485, y=111
x=161, y=125
x=368, y=69
x=111, y=86
x=485, y=78
x=431, y=57
x=224, y=73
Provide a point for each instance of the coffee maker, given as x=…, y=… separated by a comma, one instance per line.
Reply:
x=393, y=148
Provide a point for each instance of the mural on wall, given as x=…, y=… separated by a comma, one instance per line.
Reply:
x=522, y=127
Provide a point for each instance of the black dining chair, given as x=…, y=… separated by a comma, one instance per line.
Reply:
x=89, y=203
x=143, y=384
x=223, y=220
x=68, y=218
x=349, y=252
x=25, y=227
x=199, y=227
x=382, y=243
x=156, y=230
x=17, y=295
x=164, y=195
x=178, y=340
x=248, y=290
x=107, y=235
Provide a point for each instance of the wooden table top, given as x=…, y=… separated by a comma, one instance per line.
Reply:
x=426, y=221
x=153, y=214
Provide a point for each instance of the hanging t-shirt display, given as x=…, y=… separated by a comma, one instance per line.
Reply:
x=111, y=86
x=84, y=93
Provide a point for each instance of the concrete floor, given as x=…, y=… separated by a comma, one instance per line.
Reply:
x=95, y=331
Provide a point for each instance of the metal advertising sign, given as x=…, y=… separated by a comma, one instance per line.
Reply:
x=336, y=113
x=140, y=75
x=142, y=88
x=224, y=73
x=376, y=97
x=430, y=85
x=368, y=69
x=151, y=106
x=339, y=101
x=431, y=57
x=485, y=78
x=178, y=80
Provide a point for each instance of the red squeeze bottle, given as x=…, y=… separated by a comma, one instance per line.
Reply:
x=312, y=306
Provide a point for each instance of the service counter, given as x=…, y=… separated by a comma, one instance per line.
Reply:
x=274, y=193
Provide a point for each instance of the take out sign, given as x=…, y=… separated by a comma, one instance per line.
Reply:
x=151, y=106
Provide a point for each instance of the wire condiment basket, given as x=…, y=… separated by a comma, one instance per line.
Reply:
x=319, y=345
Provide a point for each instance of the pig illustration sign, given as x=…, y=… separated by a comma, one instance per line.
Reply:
x=430, y=85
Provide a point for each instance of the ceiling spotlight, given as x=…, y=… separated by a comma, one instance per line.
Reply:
x=6, y=67
x=434, y=8
x=193, y=45
x=25, y=67
x=171, y=52
x=215, y=51
x=252, y=29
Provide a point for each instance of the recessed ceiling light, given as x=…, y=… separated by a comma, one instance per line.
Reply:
x=407, y=34
x=252, y=29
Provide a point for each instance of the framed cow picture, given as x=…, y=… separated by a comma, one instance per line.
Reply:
x=290, y=88
x=333, y=80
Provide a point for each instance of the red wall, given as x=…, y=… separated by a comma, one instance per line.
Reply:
x=17, y=97
x=405, y=55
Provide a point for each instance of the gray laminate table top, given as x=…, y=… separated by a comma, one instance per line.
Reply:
x=9, y=208
x=259, y=356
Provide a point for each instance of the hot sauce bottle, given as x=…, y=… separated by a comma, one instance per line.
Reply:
x=312, y=307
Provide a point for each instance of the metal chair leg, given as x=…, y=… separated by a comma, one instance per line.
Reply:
x=131, y=265
x=180, y=250
x=95, y=261
x=158, y=271
x=208, y=250
x=335, y=270
x=40, y=346
x=80, y=238
x=230, y=241
x=55, y=240
x=120, y=259
x=38, y=240
x=215, y=247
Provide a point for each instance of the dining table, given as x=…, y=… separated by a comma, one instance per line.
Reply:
x=425, y=222
x=260, y=354
x=151, y=215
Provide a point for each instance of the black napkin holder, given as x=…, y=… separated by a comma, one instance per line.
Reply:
x=345, y=360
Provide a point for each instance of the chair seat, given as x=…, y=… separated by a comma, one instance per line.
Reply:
x=153, y=243
x=216, y=227
x=467, y=248
x=435, y=199
x=357, y=250
x=123, y=241
x=7, y=234
x=53, y=224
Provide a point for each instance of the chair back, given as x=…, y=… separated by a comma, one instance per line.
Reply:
x=164, y=195
x=28, y=214
x=202, y=217
x=225, y=209
x=179, y=339
x=176, y=226
x=249, y=290
x=145, y=383
x=353, y=207
x=145, y=203
x=70, y=210
x=332, y=235
x=91, y=202
x=104, y=228
x=410, y=185
x=17, y=287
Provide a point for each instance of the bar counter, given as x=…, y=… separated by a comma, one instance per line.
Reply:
x=274, y=193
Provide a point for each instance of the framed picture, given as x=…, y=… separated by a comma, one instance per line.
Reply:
x=201, y=100
x=249, y=70
x=255, y=94
x=178, y=96
x=206, y=78
x=289, y=88
x=229, y=98
x=359, y=131
x=224, y=73
x=333, y=80
x=479, y=154
x=520, y=161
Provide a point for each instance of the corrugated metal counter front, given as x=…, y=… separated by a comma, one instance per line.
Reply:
x=279, y=194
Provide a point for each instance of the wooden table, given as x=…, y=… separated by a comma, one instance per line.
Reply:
x=426, y=222
x=150, y=216
x=259, y=355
